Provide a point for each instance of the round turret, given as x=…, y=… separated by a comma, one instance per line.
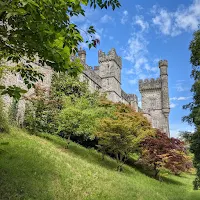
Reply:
x=163, y=63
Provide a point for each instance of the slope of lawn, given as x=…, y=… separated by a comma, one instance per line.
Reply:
x=33, y=167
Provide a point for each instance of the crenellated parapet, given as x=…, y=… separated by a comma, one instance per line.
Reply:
x=163, y=63
x=82, y=55
x=111, y=56
x=124, y=95
x=133, y=97
x=129, y=97
x=150, y=84
x=90, y=73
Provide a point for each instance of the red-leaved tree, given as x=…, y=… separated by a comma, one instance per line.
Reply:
x=161, y=151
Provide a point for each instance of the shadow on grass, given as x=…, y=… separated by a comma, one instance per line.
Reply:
x=148, y=172
x=92, y=156
x=89, y=154
x=171, y=181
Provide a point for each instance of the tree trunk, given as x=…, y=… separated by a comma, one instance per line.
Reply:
x=68, y=141
x=156, y=175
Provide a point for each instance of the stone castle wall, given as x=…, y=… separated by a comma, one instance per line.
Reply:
x=106, y=78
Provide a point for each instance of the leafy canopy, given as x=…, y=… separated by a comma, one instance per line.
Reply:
x=121, y=133
x=161, y=151
x=39, y=33
x=194, y=106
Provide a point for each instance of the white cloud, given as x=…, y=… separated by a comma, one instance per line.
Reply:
x=139, y=20
x=163, y=20
x=180, y=98
x=139, y=7
x=181, y=86
x=174, y=23
x=106, y=19
x=89, y=13
x=133, y=81
x=136, y=52
x=124, y=18
x=173, y=105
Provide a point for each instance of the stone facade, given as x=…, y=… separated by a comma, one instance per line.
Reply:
x=106, y=78
x=155, y=99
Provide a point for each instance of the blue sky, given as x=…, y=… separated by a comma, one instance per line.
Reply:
x=143, y=32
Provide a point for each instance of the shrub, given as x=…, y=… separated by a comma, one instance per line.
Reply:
x=79, y=116
x=121, y=133
x=160, y=151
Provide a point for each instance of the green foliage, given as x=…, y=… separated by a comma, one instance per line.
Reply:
x=68, y=108
x=41, y=112
x=12, y=115
x=43, y=29
x=65, y=85
x=80, y=116
x=121, y=133
x=4, y=127
x=194, y=106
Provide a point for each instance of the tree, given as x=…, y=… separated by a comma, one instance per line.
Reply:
x=41, y=112
x=44, y=106
x=161, y=151
x=194, y=106
x=80, y=116
x=66, y=85
x=121, y=133
x=40, y=32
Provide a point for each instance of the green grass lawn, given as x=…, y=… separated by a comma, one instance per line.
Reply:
x=33, y=167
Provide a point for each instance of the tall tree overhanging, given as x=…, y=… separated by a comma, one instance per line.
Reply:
x=194, y=106
x=40, y=32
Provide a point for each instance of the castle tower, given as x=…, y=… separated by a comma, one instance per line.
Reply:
x=163, y=65
x=155, y=99
x=82, y=55
x=110, y=71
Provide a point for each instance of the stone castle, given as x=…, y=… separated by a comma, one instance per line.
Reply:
x=106, y=78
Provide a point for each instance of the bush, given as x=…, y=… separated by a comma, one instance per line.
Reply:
x=41, y=112
x=160, y=151
x=121, y=133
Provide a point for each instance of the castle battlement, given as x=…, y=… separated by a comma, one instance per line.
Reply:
x=129, y=97
x=90, y=73
x=150, y=84
x=133, y=97
x=111, y=56
x=163, y=63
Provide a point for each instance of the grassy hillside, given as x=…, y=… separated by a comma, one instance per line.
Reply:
x=32, y=167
